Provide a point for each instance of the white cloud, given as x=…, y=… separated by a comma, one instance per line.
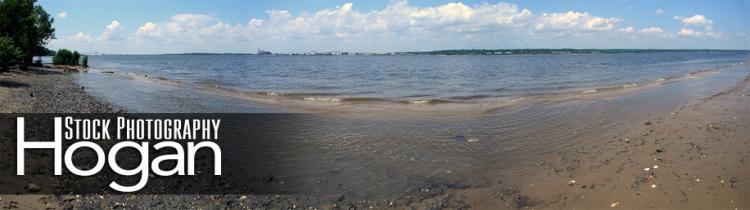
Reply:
x=659, y=11
x=629, y=29
x=111, y=31
x=84, y=41
x=652, y=30
x=398, y=26
x=697, y=20
x=574, y=21
x=62, y=15
x=691, y=32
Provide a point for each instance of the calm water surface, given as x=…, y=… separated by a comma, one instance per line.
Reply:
x=453, y=78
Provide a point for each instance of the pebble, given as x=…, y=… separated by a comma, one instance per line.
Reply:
x=32, y=187
x=571, y=182
x=653, y=186
x=614, y=204
x=655, y=167
x=647, y=169
x=243, y=199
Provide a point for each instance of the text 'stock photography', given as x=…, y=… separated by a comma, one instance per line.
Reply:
x=398, y=104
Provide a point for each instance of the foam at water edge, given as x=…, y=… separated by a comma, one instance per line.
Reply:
x=419, y=102
x=322, y=99
x=630, y=85
x=516, y=100
x=589, y=91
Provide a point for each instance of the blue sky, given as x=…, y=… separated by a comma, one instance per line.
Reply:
x=142, y=27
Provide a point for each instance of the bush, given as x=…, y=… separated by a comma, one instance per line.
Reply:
x=66, y=57
x=76, y=58
x=8, y=52
x=85, y=61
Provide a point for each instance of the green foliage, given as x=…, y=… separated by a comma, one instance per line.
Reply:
x=66, y=57
x=27, y=25
x=85, y=61
x=8, y=52
x=76, y=57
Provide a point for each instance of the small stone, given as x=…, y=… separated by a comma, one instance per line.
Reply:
x=571, y=182
x=655, y=166
x=647, y=169
x=648, y=123
x=243, y=199
x=653, y=186
x=32, y=188
x=614, y=204
x=697, y=180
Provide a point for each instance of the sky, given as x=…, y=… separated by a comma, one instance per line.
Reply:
x=234, y=26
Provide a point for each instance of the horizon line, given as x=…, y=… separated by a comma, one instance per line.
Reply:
x=423, y=51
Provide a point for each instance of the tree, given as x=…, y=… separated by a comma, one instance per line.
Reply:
x=27, y=25
x=8, y=52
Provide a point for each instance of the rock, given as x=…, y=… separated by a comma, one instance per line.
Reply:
x=571, y=182
x=32, y=188
x=659, y=150
x=614, y=204
x=522, y=201
x=83, y=88
x=243, y=199
x=459, y=138
x=31, y=94
x=648, y=123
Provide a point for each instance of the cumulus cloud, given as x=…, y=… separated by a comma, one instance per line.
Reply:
x=659, y=11
x=691, y=32
x=696, y=20
x=62, y=15
x=398, y=26
x=111, y=31
x=652, y=30
x=699, y=21
x=574, y=21
x=629, y=29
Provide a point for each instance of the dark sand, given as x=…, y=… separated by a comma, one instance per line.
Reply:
x=701, y=150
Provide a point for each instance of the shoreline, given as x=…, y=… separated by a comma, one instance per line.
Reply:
x=705, y=140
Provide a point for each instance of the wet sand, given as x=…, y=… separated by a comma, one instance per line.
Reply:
x=701, y=150
x=695, y=157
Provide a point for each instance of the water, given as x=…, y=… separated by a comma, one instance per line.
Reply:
x=366, y=158
x=410, y=78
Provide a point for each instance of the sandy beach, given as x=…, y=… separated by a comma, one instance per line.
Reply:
x=692, y=157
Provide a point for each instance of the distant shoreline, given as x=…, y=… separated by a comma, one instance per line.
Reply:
x=510, y=51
